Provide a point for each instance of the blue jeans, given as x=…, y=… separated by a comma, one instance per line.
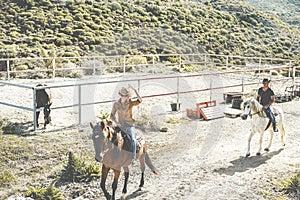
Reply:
x=271, y=115
x=132, y=133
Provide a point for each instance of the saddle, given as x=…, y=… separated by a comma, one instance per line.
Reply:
x=275, y=111
x=127, y=140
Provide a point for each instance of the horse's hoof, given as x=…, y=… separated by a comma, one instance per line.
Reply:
x=248, y=154
x=108, y=196
x=155, y=173
x=258, y=153
x=98, y=159
x=267, y=149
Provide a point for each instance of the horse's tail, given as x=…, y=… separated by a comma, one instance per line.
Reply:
x=150, y=164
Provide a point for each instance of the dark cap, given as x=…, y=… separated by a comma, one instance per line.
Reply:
x=265, y=80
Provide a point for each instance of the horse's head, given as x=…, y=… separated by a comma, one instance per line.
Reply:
x=103, y=133
x=246, y=108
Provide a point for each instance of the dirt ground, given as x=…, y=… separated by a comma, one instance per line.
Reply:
x=196, y=159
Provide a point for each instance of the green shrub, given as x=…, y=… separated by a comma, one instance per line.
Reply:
x=6, y=178
x=21, y=67
x=78, y=171
x=42, y=193
x=292, y=185
x=136, y=60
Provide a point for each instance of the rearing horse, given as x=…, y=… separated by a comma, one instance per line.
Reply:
x=260, y=121
x=117, y=150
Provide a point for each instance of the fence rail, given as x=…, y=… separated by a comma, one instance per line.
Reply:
x=242, y=71
x=122, y=62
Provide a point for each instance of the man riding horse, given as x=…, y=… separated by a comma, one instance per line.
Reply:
x=266, y=97
x=123, y=107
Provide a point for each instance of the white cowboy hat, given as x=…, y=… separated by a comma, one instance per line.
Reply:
x=124, y=92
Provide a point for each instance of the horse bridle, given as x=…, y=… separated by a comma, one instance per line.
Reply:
x=253, y=113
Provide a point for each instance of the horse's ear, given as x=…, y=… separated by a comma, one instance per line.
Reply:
x=92, y=126
x=102, y=125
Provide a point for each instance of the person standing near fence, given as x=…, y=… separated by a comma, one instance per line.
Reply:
x=123, y=108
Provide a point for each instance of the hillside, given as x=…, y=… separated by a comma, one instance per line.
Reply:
x=287, y=10
x=88, y=27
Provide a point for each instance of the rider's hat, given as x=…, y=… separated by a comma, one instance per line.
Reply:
x=265, y=80
x=124, y=92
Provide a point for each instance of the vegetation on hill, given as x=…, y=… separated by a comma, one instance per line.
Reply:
x=28, y=28
x=287, y=10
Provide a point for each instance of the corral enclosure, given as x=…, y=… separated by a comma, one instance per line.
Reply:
x=194, y=157
x=181, y=78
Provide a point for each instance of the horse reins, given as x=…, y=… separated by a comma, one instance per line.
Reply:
x=254, y=113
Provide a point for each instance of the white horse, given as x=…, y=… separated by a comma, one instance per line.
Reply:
x=251, y=107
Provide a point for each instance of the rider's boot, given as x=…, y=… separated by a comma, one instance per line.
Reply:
x=275, y=129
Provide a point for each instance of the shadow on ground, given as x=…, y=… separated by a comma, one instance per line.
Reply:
x=243, y=164
x=135, y=194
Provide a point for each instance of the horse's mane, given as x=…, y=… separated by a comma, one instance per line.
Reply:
x=256, y=105
x=115, y=134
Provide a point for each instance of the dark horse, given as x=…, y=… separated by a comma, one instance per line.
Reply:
x=117, y=150
x=43, y=100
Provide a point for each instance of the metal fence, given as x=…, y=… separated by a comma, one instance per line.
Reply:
x=59, y=66
x=242, y=72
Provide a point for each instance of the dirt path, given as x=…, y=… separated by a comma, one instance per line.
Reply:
x=196, y=159
x=213, y=166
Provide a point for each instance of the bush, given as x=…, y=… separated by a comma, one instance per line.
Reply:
x=6, y=178
x=292, y=185
x=136, y=60
x=21, y=67
x=42, y=193
x=78, y=171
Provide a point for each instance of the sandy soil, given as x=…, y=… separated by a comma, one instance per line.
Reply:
x=196, y=159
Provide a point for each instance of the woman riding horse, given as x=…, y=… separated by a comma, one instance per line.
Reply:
x=123, y=107
x=117, y=150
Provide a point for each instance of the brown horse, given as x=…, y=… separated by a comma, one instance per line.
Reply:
x=43, y=100
x=117, y=149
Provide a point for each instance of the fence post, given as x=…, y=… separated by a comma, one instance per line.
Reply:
x=94, y=66
x=124, y=65
x=243, y=80
x=177, y=93
x=53, y=68
x=153, y=61
x=8, y=70
x=294, y=75
x=226, y=61
x=210, y=88
x=259, y=66
x=34, y=109
x=180, y=62
x=290, y=64
x=205, y=60
x=79, y=103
